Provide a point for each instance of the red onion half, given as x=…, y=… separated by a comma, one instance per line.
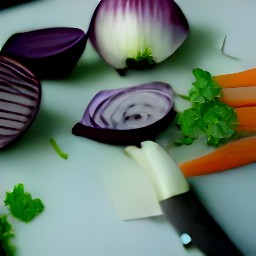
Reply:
x=137, y=34
x=49, y=52
x=129, y=115
x=20, y=97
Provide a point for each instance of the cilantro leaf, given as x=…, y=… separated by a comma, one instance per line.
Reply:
x=5, y=228
x=204, y=88
x=184, y=140
x=6, y=233
x=208, y=116
x=191, y=123
x=21, y=204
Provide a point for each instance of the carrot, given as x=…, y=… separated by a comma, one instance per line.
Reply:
x=246, y=129
x=239, y=97
x=234, y=154
x=240, y=79
x=246, y=118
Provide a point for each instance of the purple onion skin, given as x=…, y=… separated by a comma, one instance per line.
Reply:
x=20, y=99
x=94, y=124
x=9, y=3
x=124, y=137
x=50, y=53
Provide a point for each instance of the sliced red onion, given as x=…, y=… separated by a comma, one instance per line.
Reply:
x=20, y=97
x=128, y=115
x=49, y=52
x=137, y=33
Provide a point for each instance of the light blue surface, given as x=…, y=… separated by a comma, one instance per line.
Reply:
x=79, y=218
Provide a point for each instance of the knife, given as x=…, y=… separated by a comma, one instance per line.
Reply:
x=179, y=203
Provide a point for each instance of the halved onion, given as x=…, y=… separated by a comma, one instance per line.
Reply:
x=49, y=52
x=137, y=34
x=128, y=115
x=20, y=97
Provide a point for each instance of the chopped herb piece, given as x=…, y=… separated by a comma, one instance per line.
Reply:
x=58, y=149
x=6, y=234
x=208, y=116
x=204, y=88
x=21, y=204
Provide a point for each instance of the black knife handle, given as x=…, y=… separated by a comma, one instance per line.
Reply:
x=188, y=216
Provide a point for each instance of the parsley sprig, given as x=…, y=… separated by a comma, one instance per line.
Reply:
x=23, y=207
x=208, y=116
x=6, y=234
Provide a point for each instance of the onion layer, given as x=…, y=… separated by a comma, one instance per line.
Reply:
x=49, y=52
x=137, y=33
x=20, y=97
x=128, y=115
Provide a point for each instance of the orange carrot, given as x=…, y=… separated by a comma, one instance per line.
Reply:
x=234, y=154
x=239, y=79
x=239, y=97
x=246, y=118
x=246, y=129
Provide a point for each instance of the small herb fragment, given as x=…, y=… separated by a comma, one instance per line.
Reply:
x=208, y=116
x=58, y=149
x=6, y=234
x=21, y=204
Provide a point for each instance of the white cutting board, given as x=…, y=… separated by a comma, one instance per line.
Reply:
x=80, y=217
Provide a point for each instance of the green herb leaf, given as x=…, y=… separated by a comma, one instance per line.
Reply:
x=185, y=140
x=204, y=88
x=6, y=233
x=208, y=116
x=21, y=204
x=58, y=149
x=5, y=228
x=191, y=123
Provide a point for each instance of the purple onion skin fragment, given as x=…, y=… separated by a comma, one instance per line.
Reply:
x=20, y=98
x=9, y=3
x=129, y=115
x=50, y=53
x=137, y=34
x=124, y=137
